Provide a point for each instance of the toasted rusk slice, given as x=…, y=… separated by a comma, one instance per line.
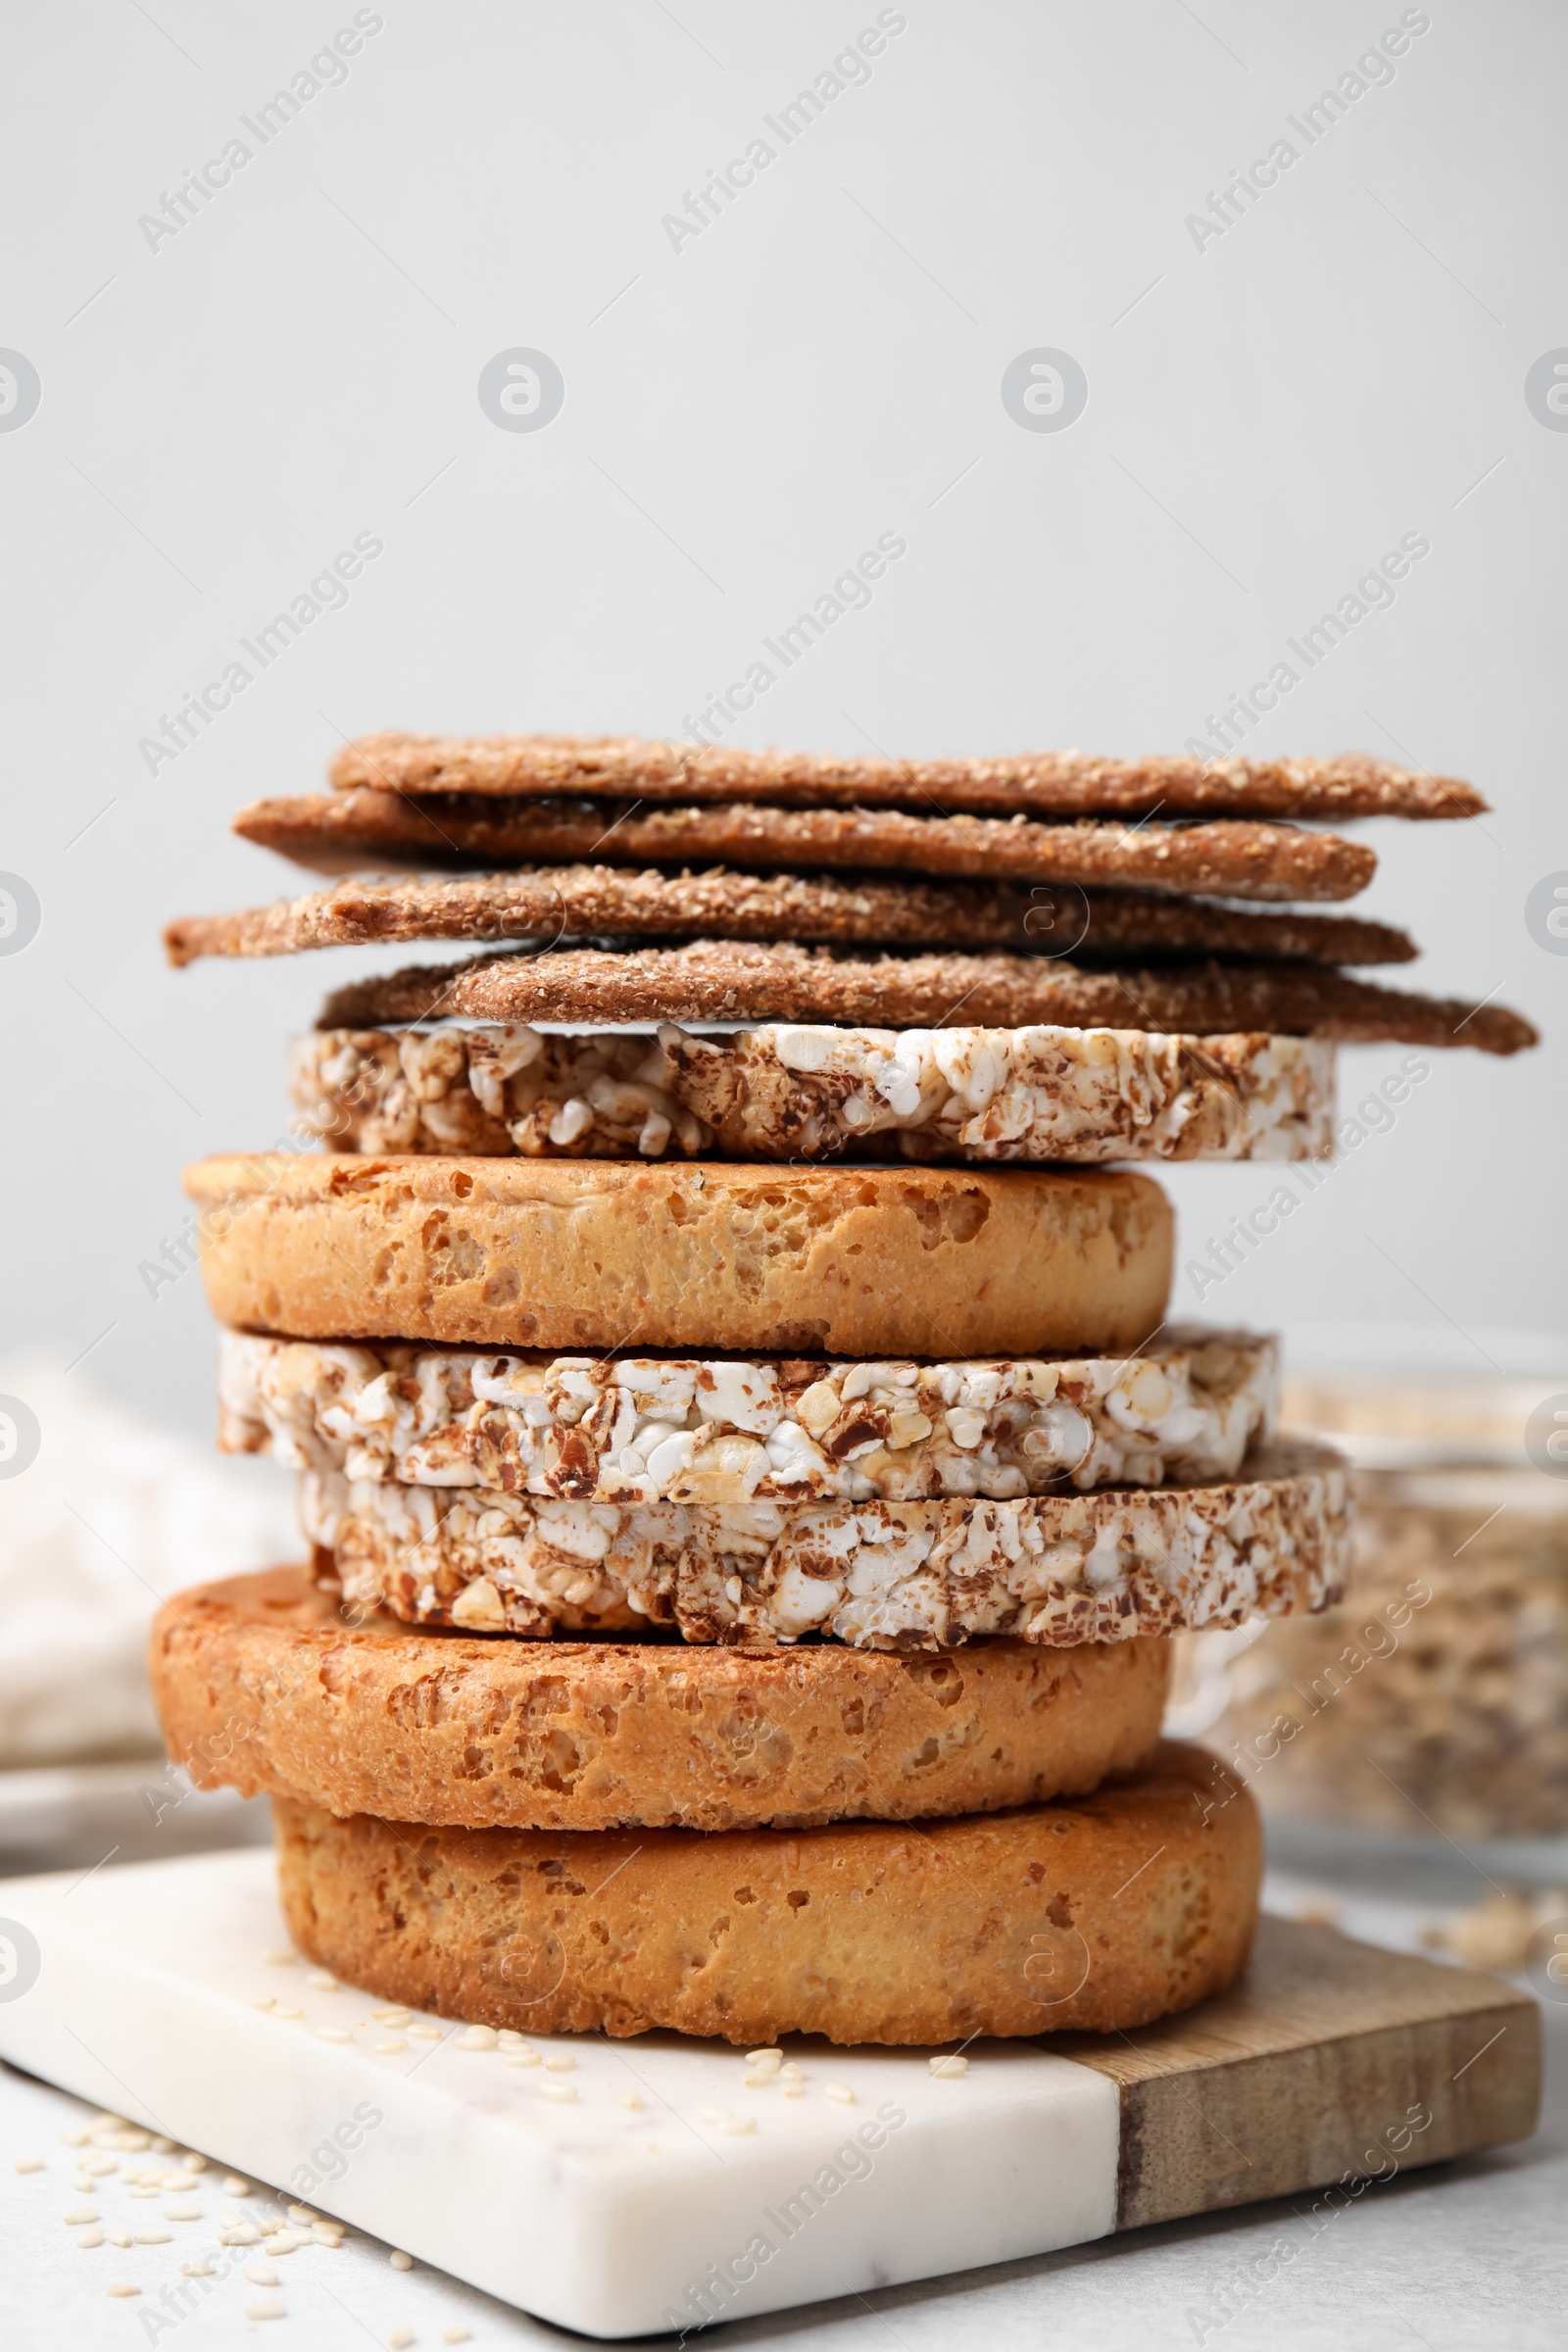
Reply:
x=672, y=1428
x=710, y=1255
x=1056, y=783
x=1056, y=1568
x=733, y=980
x=1103, y=1911
x=361, y=1713
x=810, y=1091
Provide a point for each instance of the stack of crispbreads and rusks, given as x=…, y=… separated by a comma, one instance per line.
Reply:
x=752, y=1481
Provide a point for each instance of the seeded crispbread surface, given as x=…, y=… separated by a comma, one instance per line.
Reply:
x=597, y=900
x=362, y=1714
x=707, y=1255
x=1102, y=1911
x=724, y=980
x=1220, y=854
x=1069, y=783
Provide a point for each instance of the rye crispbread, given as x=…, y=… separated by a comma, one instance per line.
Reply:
x=732, y=980
x=263, y=1685
x=595, y=901
x=1224, y=854
x=1102, y=1911
x=688, y=1254
x=1066, y=783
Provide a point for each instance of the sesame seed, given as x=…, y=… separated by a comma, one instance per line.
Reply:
x=711, y=2115
x=303, y=2216
x=333, y=2034
x=120, y=2238
x=457, y=2333
x=523, y=2058
x=401, y=2261
x=243, y=2235
x=511, y=2039
x=390, y=2049
x=234, y=2186
x=268, y=2000
x=322, y=1981
x=840, y=2091
x=476, y=2037
x=768, y=2058
x=427, y=2033
x=735, y=2124
x=107, y=2121
x=266, y=2311
x=165, y=2147
x=260, y=2274
x=89, y=2239
x=184, y=2209
x=99, y=2167
x=152, y=2237
x=629, y=2098
x=401, y=2336
x=31, y=2164
x=190, y=2162
x=201, y=2269
x=561, y=2092
x=948, y=2068
x=121, y=2287
x=79, y=2216
x=390, y=2017
x=560, y=2062
x=327, y=2234
x=794, y=2090
x=281, y=1958
x=75, y=2140
x=761, y=2079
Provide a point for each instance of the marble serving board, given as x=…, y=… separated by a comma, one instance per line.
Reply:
x=648, y=2186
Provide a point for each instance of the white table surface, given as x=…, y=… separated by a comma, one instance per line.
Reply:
x=1467, y=2255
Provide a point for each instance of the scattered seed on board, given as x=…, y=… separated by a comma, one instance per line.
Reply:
x=324, y=1982
x=333, y=2034
x=948, y=2068
x=558, y=2062
x=234, y=2186
x=401, y=2261
x=564, y=2093
x=90, y=2239
x=120, y=2238
x=457, y=2333
x=79, y=2216
x=121, y=2287
x=477, y=2038
x=629, y=2098
x=201, y=2268
x=428, y=2033
x=31, y=2164
x=154, y=2238
x=264, y=2311
x=390, y=2049
x=400, y=2336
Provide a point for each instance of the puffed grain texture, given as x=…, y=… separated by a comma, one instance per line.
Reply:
x=265, y=1685
x=1103, y=1911
x=613, y=1253
x=1058, y=783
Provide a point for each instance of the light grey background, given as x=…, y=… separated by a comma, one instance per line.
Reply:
x=221, y=414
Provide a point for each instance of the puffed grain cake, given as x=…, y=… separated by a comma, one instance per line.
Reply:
x=670, y=1429
x=815, y=1092
x=1056, y=1568
x=613, y=1253
x=263, y=1685
x=1103, y=1911
x=1060, y=783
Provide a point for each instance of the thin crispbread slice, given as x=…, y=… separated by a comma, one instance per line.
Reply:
x=1060, y=783
x=731, y=980
x=343, y=832
x=600, y=902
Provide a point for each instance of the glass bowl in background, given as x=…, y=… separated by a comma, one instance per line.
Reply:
x=1419, y=1730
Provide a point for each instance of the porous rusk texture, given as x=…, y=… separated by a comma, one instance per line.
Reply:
x=1048, y=1568
x=1061, y=783
x=1103, y=1911
x=606, y=1254
x=263, y=1685
x=785, y=1092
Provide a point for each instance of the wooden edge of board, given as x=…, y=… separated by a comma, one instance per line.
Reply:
x=1327, y=2061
